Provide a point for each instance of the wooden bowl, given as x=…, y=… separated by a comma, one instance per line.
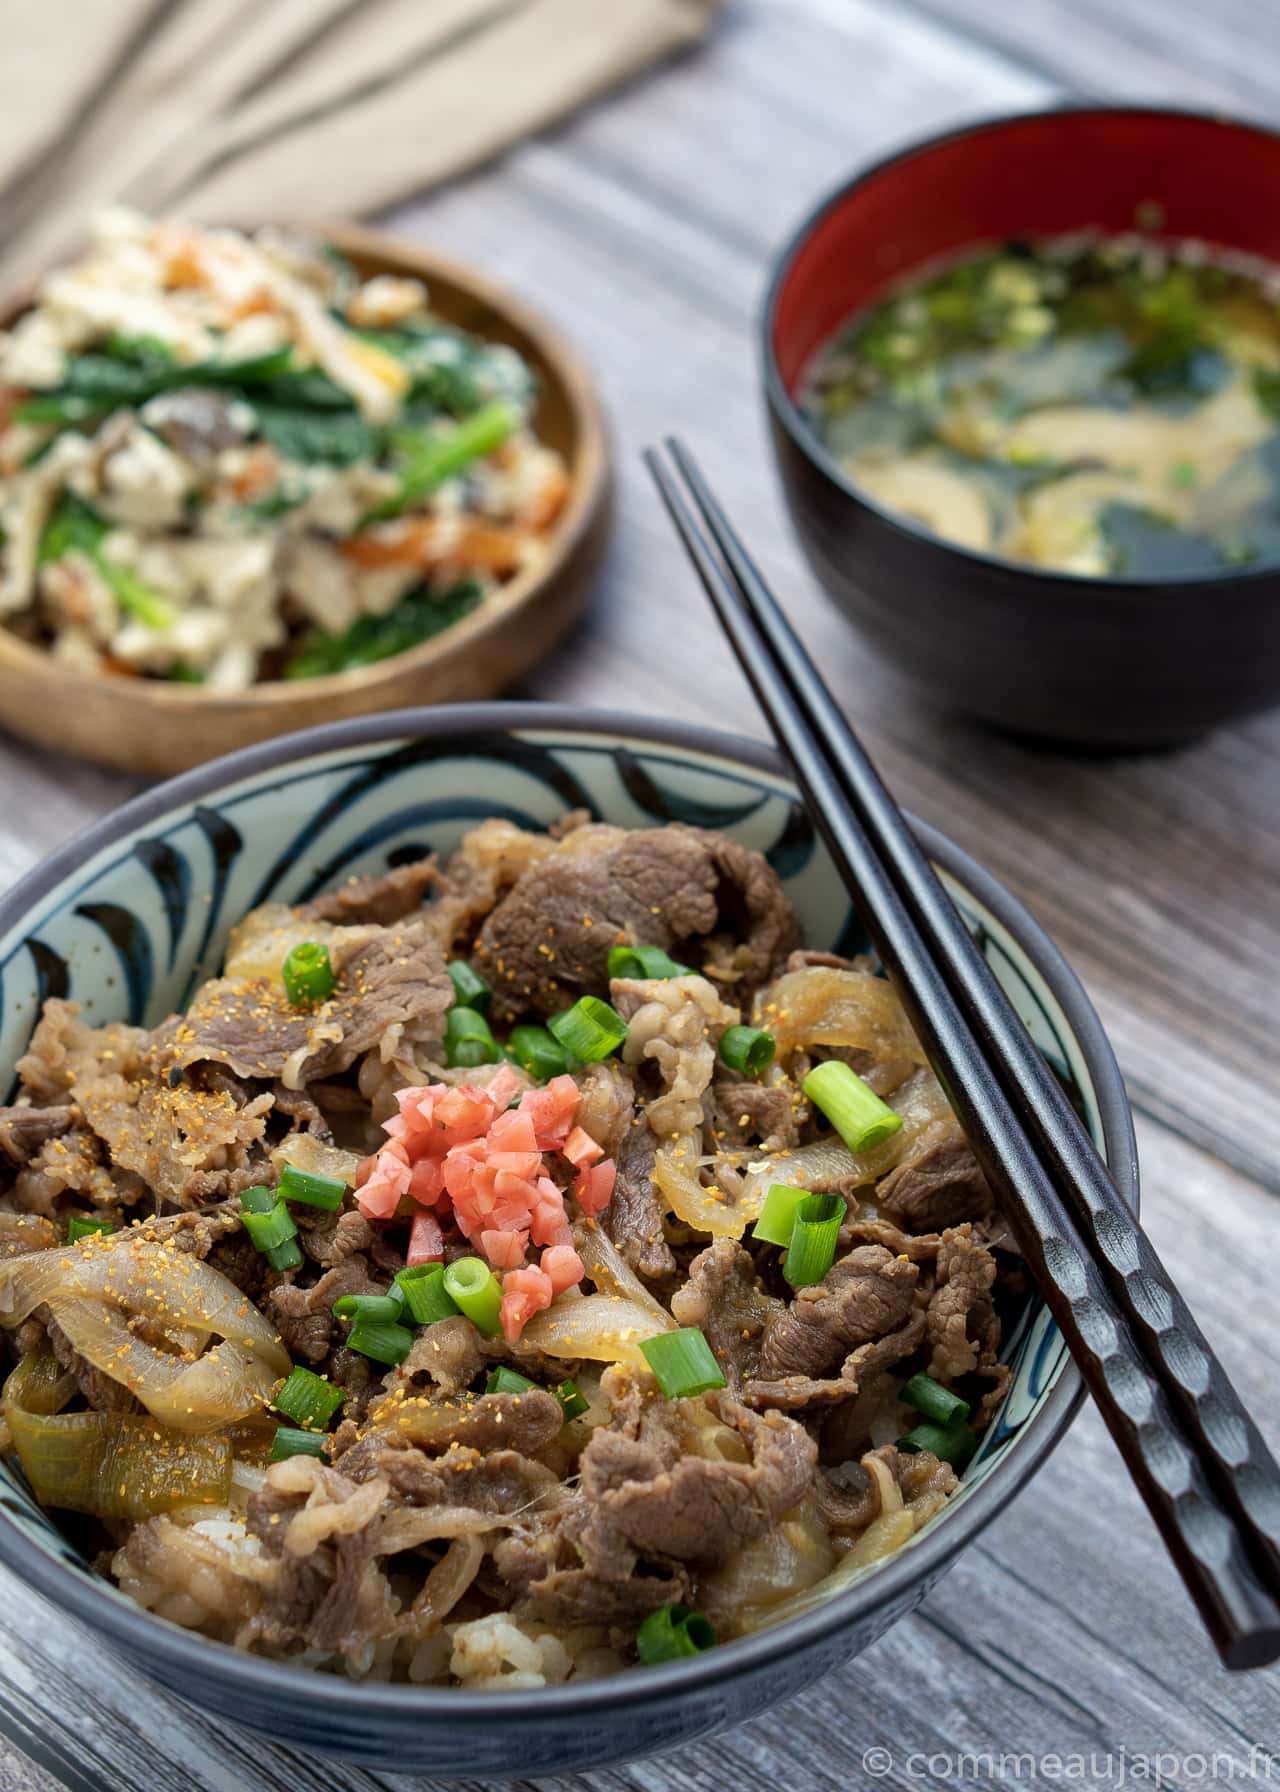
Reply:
x=146, y=725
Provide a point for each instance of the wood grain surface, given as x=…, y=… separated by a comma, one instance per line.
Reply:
x=643, y=229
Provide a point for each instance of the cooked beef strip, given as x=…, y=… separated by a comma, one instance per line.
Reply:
x=330, y=1238
x=490, y=861
x=672, y=1024
x=549, y=938
x=793, y=1393
x=861, y=1297
x=384, y=898
x=579, y=1569
x=500, y=1481
x=666, y=1502
x=445, y=1354
x=860, y=1228
x=722, y=1296
x=391, y=989
x=737, y=1112
x=305, y=1315
x=938, y=1185
x=633, y=1218
x=961, y=1319
x=23, y=1130
x=848, y=1495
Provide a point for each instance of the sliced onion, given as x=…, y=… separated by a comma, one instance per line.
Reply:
x=675, y=1171
x=169, y=1288
x=117, y=1465
x=306, y=1152
x=225, y=1384
x=612, y=1274
x=602, y=1327
x=39, y=1383
x=824, y=1006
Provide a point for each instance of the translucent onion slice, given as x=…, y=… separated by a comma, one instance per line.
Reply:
x=883, y=1537
x=612, y=1274
x=675, y=1171
x=225, y=1384
x=825, y=1006
x=167, y=1287
x=602, y=1327
x=305, y=1152
x=117, y=1465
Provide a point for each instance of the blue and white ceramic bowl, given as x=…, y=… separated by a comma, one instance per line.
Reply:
x=130, y=916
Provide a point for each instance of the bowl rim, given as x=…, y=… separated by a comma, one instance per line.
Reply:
x=144, y=1637
x=1070, y=586
x=589, y=485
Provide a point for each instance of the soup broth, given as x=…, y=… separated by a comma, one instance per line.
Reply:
x=1096, y=407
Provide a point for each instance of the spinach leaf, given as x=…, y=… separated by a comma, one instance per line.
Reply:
x=419, y=615
x=339, y=438
x=76, y=527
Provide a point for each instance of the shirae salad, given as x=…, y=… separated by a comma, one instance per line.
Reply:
x=226, y=457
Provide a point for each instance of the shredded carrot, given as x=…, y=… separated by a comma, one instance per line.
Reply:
x=429, y=541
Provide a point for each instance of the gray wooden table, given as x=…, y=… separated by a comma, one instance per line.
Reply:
x=1062, y=1638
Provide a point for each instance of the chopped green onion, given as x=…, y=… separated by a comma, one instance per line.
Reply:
x=309, y=1398
x=534, y=1050
x=469, y=989
x=571, y=1397
x=258, y=1199
x=812, y=1250
x=590, y=1030
x=78, y=1227
x=508, y=1381
x=644, y=962
x=288, y=1442
x=682, y=1362
x=307, y=973
x=467, y=1039
x=381, y=1339
x=270, y=1229
x=434, y=458
x=778, y=1215
x=422, y=1285
x=747, y=1048
x=954, y=1443
x=854, y=1109
x=366, y=1306
x=672, y=1632
x=934, y=1401
x=477, y=1292
x=285, y=1256
x=312, y=1190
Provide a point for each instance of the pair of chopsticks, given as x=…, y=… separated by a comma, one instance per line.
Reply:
x=1196, y=1456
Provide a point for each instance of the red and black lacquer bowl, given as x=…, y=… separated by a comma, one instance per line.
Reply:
x=1099, y=662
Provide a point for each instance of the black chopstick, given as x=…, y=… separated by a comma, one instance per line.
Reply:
x=1223, y=1552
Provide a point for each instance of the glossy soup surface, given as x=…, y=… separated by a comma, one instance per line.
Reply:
x=1096, y=407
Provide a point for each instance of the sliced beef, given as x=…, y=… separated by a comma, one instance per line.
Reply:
x=23, y=1130
x=445, y=1354
x=579, y=1570
x=331, y=1238
x=305, y=1315
x=549, y=938
x=738, y=1113
x=866, y=1228
x=633, y=1218
x=961, y=1319
x=383, y=899
x=723, y=1298
x=490, y=861
x=501, y=1481
x=391, y=989
x=938, y=1185
x=666, y=1502
x=862, y=1297
x=793, y=1393
x=851, y=1494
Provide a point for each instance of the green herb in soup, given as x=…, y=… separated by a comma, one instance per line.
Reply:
x=1095, y=407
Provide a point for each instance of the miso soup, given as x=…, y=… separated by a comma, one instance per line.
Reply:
x=1102, y=407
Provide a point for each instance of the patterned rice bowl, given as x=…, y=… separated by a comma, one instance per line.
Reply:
x=132, y=915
